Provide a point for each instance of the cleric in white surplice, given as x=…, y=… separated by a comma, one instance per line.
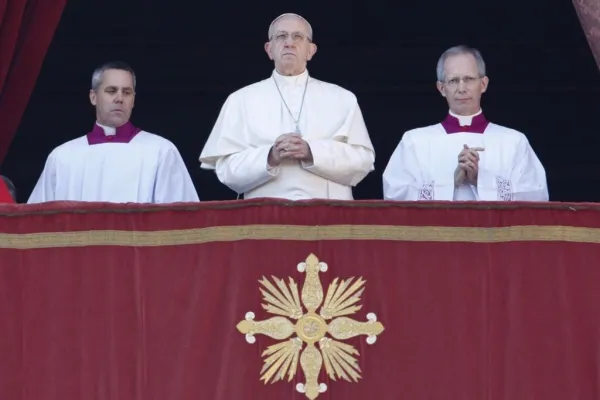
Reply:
x=116, y=162
x=290, y=136
x=465, y=157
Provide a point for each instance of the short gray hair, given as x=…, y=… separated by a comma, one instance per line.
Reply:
x=97, y=75
x=272, y=26
x=458, y=50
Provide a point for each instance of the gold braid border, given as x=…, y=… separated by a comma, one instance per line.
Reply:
x=300, y=233
x=70, y=208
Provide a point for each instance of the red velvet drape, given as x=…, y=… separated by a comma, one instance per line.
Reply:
x=483, y=302
x=26, y=30
x=5, y=195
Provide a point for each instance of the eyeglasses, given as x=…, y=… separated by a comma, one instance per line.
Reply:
x=468, y=80
x=297, y=37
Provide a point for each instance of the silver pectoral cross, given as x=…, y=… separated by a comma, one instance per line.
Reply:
x=297, y=129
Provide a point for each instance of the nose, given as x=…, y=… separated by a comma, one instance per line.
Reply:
x=119, y=97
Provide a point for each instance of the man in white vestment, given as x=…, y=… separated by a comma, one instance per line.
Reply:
x=465, y=157
x=290, y=136
x=116, y=162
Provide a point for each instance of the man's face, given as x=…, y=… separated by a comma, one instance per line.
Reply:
x=114, y=98
x=290, y=47
x=462, y=86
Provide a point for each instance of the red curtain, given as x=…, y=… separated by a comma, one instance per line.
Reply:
x=26, y=30
x=588, y=12
x=494, y=302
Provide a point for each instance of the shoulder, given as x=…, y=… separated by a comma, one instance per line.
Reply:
x=334, y=90
x=507, y=133
x=66, y=148
x=236, y=100
x=153, y=139
x=323, y=86
x=248, y=90
x=421, y=134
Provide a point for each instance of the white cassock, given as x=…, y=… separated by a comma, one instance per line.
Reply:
x=253, y=117
x=148, y=169
x=422, y=166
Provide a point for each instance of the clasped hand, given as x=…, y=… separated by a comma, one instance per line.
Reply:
x=289, y=146
x=468, y=166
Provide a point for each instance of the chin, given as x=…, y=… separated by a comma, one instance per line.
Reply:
x=465, y=110
x=288, y=68
x=119, y=122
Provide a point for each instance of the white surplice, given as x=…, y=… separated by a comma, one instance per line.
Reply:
x=253, y=117
x=148, y=169
x=423, y=164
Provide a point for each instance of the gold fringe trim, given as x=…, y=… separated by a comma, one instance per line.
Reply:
x=300, y=233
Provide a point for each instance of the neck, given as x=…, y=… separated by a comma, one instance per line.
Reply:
x=290, y=72
x=109, y=134
x=457, y=114
x=465, y=119
x=475, y=123
x=108, y=130
x=291, y=80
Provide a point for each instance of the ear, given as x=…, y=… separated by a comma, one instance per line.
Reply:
x=312, y=49
x=440, y=88
x=484, y=84
x=268, y=50
x=92, y=97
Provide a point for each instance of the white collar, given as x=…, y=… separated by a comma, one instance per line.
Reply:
x=465, y=120
x=296, y=80
x=108, y=130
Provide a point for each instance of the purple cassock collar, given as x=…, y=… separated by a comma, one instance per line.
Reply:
x=478, y=124
x=123, y=134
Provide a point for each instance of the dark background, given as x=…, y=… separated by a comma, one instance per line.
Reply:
x=189, y=56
